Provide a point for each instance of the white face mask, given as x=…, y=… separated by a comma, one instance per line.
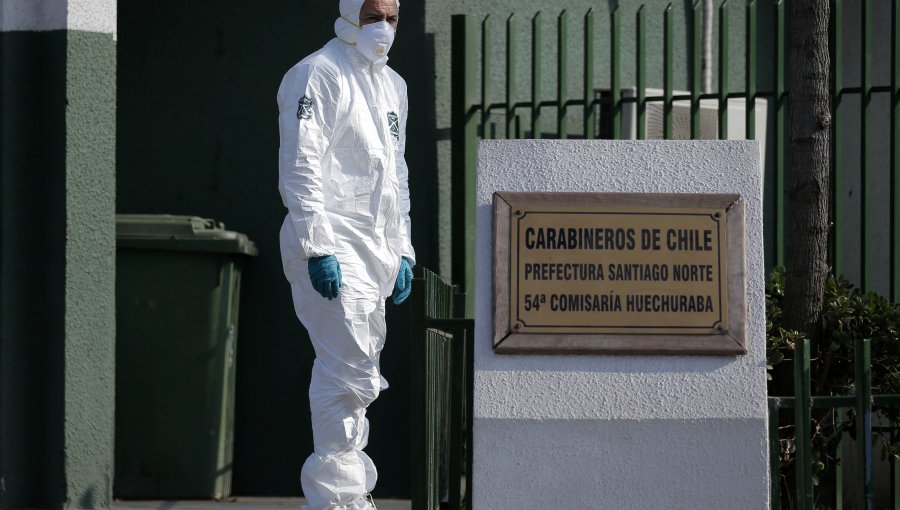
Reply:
x=374, y=41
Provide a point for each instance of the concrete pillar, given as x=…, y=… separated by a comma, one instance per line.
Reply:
x=57, y=252
x=610, y=432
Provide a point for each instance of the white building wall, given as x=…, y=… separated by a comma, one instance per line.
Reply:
x=41, y=15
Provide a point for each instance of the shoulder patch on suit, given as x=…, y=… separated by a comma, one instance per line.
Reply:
x=394, y=125
x=304, y=108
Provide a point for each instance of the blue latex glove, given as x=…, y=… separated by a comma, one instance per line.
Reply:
x=403, y=286
x=325, y=275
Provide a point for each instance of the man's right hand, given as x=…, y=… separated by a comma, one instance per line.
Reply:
x=325, y=275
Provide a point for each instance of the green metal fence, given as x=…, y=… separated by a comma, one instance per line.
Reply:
x=441, y=396
x=861, y=404
x=472, y=38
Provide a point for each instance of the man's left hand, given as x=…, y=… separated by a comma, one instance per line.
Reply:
x=403, y=285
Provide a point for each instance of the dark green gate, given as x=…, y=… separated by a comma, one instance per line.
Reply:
x=441, y=396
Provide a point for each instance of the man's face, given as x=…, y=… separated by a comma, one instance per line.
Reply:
x=374, y=11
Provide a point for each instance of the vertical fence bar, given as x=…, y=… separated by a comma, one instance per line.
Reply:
x=536, y=49
x=589, y=111
x=668, y=45
x=802, y=425
x=837, y=167
x=417, y=394
x=839, y=469
x=464, y=133
x=696, y=68
x=750, y=52
x=487, y=65
x=774, y=455
x=562, y=74
x=862, y=376
x=723, y=70
x=865, y=133
x=641, y=72
x=895, y=155
x=780, y=135
x=442, y=385
x=457, y=352
x=470, y=408
x=615, y=85
x=428, y=347
x=510, y=76
x=895, y=471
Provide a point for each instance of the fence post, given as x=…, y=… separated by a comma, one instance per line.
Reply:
x=837, y=172
x=457, y=405
x=723, y=70
x=641, y=72
x=536, y=50
x=862, y=376
x=615, y=100
x=470, y=408
x=487, y=43
x=895, y=473
x=697, y=68
x=668, y=45
x=750, y=70
x=590, y=116
x=774, y=454
x=562, y=74
x=802, y=425
x=895, y=154
x=865, y=164
x=465, y=141
x=418, y=467
x=839, y=469
x=511, y=86
x=780, y=134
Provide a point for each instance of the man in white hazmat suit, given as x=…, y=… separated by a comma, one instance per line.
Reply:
x=345, y=242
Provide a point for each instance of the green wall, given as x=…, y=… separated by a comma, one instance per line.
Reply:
x=90, y=268
x=197, y=134
x=57, y=249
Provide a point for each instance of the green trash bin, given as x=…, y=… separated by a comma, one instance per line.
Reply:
x=177, y=294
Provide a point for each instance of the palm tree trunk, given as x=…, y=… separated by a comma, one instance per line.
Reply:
x=808, y=180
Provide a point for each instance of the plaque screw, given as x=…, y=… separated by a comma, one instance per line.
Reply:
x=718, y=215
x=517, y=325
x=518, y=212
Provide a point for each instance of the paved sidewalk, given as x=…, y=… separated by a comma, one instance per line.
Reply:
x=241, y=504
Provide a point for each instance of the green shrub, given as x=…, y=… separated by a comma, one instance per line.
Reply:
x=848, y=314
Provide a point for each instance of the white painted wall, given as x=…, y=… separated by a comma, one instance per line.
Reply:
x=620, y=432
x=41, y=15
x=93, y=16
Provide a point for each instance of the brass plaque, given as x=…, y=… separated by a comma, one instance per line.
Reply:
x=593, y=271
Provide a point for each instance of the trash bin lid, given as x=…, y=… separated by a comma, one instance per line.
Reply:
x=179, y=233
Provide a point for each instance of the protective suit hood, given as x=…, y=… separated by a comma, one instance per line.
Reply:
x=373, y=42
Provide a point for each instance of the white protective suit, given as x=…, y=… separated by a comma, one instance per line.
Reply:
x=343, y=179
